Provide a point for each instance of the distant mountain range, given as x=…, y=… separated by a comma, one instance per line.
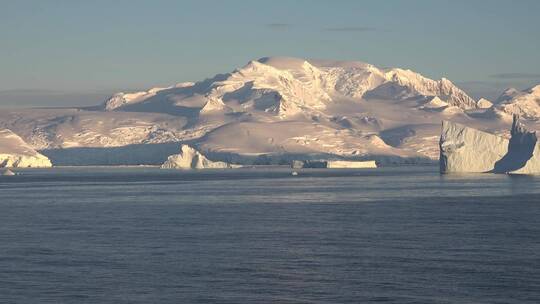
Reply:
x=272, y=110
x=290, y=86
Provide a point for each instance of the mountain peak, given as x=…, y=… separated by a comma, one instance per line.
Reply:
x=525, y=103
x=534, y=90
x=507, y=95
x=484, y=103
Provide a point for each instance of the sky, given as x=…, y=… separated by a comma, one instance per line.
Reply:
x=66, y=52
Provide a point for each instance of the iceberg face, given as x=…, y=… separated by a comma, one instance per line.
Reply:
x=14, y=152
x=520, y=149
x=189, y=158
x=464, y=149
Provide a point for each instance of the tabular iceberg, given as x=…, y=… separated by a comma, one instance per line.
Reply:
x=464, y=149
x=189, y=158
x=333, y=164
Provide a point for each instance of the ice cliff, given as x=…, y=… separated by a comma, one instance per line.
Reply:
x=14, y=152
x=464, y=149
x=189, y=158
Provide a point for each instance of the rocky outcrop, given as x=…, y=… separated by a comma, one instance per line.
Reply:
x=464, y=149
x=189, y=158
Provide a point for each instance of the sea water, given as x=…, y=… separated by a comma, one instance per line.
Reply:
x=145, y=235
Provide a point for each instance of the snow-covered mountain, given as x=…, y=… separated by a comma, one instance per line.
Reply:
x=525, y=103
x=271, y=110
x=289, y=86
x=507, y=95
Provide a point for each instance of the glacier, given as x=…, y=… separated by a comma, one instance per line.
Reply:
x=467, y=150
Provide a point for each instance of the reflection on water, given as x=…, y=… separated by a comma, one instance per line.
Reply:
x=520, y=183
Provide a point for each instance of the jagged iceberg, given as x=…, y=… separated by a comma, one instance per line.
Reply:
x=14, y=152
x=189, y=158
x=464, y=149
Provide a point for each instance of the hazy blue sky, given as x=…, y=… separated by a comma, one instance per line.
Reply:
x=57, y=52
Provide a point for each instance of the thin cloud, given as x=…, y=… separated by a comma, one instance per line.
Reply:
x=350, y=29
x=516, y=76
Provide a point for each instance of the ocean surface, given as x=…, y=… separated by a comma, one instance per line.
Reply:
x=388, y=235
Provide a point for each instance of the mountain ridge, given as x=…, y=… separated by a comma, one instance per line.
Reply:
x=296, y=84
